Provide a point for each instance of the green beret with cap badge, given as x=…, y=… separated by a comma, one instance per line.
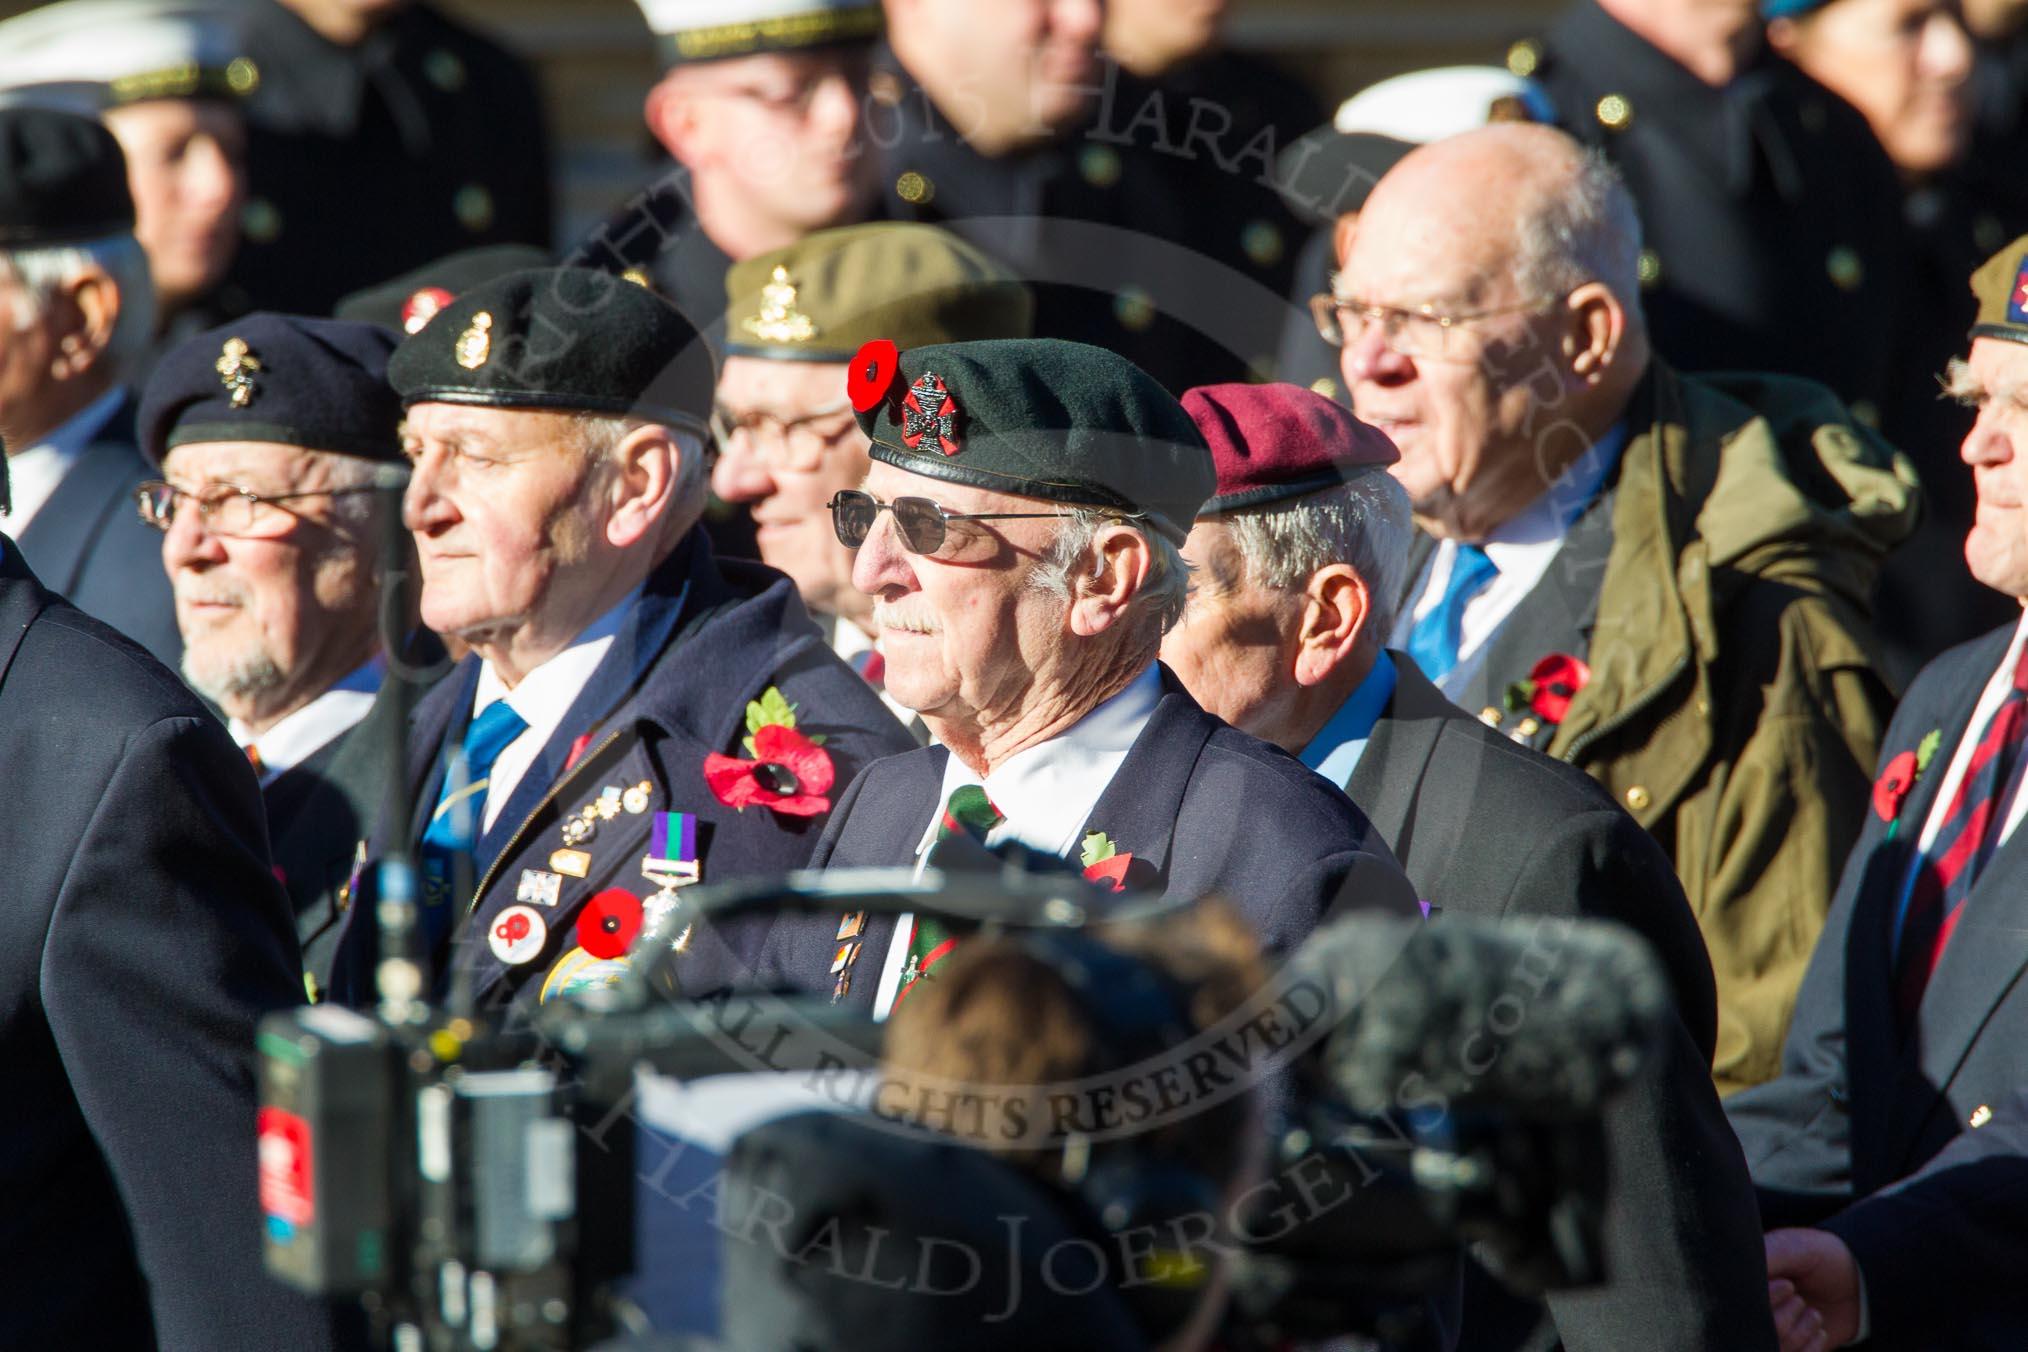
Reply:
x=1037, y=417
x=566, y=339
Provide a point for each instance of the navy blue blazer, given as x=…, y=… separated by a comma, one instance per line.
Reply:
x=1208, y=808
x=707, y=637
x=1857, y=1106
x=89, y=545
x=141, y=939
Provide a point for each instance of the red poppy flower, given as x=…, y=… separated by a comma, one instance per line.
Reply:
x=788, y=774
x=1893, y=785
x=1111, y=870
x=1557, y=678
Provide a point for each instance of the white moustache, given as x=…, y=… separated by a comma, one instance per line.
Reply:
x=906, y=619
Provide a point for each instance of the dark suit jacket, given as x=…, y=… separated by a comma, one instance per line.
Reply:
x=707, y=637
x=141, y=938
x=1208, y=808
x=88, y=544
x=1490, y=829
x=319, y=811
x=1858, y=1106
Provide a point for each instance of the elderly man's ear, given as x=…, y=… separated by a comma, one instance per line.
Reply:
x=1336, y=606
x=86, y=311
x=646, y=468
x=1595, y=323
x=1113, y=574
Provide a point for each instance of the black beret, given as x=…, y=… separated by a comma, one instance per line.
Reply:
x=63, y=180
x=859, y=1217
x=408, y=302
x=572, y=339
x=316, y=383
x=1039, y=417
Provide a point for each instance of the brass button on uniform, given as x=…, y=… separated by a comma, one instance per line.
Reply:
x=1524, y=56
x=445, y=70
x=1099, y=165
x=260, y=220
x=1638, y=798
x=914, y=188
x=1325, y=386
x=1845, y=269
x=473, y=207
x=1615, y=112
x=1649, y=269
x=1262, y=242
x=1134, y=308
x=242, y=76
x=1490, y=716
x=1980, y=1116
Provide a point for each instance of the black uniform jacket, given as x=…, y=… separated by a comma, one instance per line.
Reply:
x=141, y=938
x=1489, y=829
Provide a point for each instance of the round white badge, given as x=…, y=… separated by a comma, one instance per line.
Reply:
x=518, y=935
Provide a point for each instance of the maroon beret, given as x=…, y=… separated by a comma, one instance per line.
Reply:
x=1280, y=441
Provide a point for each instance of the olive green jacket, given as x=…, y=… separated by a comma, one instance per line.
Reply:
x=1735, y=704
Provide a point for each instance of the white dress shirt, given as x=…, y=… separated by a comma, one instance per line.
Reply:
x=34, y=474
x=1046, y=792
x=1522, y=548
x=300, y=735
x=542, y=698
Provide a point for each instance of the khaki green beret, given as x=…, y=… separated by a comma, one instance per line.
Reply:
x=824, y=296
x=2001, y=286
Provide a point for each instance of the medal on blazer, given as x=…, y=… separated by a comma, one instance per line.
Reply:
x=671, y=862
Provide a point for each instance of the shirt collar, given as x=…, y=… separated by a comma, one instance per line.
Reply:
x=1334, y=752
x=1549, y=518
x=38, y=470
x=545, y=694
x=300, y=735
x=1048, y=791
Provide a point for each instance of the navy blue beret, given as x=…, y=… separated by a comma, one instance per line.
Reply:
x=316, y=383
x=571, y=339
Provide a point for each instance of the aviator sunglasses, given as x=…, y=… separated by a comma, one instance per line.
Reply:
x=919, y=522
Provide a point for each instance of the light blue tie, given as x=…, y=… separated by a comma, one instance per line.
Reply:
x=454, y=826
x=1433, y=642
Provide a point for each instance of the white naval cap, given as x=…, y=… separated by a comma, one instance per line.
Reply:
x=711, y=30
x=1329, y=171
x=90, y=55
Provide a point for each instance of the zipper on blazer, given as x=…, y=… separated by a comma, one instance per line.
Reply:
x=1626, y=715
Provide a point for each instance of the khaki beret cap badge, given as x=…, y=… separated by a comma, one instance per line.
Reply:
x=236, y=366
x=928, y=409
x=475, y=344
x=779, y=321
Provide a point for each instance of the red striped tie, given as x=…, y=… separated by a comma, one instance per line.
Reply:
x=1971, y=829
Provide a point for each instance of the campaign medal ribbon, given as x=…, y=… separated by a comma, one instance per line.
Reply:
x=671, y=862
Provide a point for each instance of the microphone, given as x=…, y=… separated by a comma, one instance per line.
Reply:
x=1542, y=1020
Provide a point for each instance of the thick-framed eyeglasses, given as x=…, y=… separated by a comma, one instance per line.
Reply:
x=784, y=443
x=920, y=522
x=227, y=509
x=1423, y=331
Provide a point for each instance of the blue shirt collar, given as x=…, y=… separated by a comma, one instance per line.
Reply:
x=1334, y=752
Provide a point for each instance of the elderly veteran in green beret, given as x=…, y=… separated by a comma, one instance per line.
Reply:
x=1018, y=533
x=635, y=715
x=786, y=434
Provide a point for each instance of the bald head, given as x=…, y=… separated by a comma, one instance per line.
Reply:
x=1517, y=200
x=1514, y=254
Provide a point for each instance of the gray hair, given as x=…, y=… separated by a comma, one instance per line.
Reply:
x=1588, y=232
x=1155, y=608
x=44, y=272
x=352, y=511
x=1364, y=522
x=600, y=438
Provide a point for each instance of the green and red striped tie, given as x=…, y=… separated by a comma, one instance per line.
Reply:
x=969, y=811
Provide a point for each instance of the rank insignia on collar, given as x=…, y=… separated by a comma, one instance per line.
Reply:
x=236, y=367
x=422, y=306
x=475, y=344
x=929, y=409
x=779, y=321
